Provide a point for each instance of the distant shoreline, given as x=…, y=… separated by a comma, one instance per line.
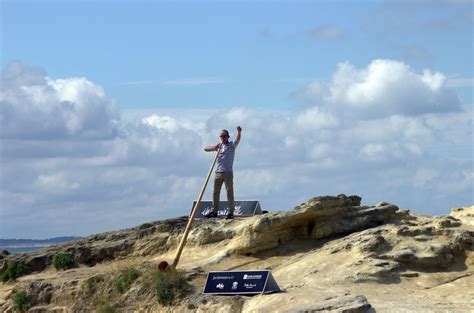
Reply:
x=28, y=245
x=25, y=249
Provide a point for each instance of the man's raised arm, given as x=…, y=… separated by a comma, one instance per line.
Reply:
x=239, y=131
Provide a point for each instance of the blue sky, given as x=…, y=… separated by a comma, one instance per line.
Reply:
x=106, y=106
x=249, y=53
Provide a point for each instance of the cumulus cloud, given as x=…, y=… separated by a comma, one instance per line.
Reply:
x=383, y=88
x=35, y=106
x=162, y=122
x=69, y=155
x=372, y=151
x=314, y=119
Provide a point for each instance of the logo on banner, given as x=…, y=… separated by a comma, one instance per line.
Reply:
x=242, y=208
x=220, y=286
x=235, y=285
x=252, y=276
x=237, y=211
x=223, y=277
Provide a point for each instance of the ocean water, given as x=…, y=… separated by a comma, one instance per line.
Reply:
x=22, y=249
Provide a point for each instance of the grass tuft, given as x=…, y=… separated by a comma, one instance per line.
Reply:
x=21, y=302
x=13, y=271
x=170, y=285
x=62, y=261
x=126, y=278
x=93, y=281
x=145, y=226
x=106, y=308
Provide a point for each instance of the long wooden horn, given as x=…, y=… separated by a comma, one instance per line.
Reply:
x=193, y=214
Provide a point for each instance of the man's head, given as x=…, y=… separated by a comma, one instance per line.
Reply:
x=224, y=135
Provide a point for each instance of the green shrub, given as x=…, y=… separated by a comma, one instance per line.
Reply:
x=126, y=278
x=13, y=271
x=21, y=301
x=62, y=261
x=106, y=308
x=93, y=281
x=169, y=285
x=145, y=226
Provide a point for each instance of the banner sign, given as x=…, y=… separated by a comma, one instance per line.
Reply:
x=242, y=208
x=240, y=282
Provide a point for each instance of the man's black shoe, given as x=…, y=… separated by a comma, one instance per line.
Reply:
x=210, y=215
x=229, y=216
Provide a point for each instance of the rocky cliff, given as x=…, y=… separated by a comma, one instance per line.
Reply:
x=327, y=254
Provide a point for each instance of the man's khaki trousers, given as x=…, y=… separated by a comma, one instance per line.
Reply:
x=228, y=179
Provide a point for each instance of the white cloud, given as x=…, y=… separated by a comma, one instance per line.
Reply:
x=290, y=141
x=67, y=154
x=414, y=148
x=392, y=129
x=383, y=88
x=372, y=151
x=34, y=106
x=314, y=92
x=162, y=122
x=237, y=115
x=320, y=150
x=314, y=119
x=56, y=182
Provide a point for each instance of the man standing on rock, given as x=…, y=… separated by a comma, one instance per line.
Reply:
x=224, y=173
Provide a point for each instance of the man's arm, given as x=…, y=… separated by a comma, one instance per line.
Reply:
x=239, y=131
x=211, y=148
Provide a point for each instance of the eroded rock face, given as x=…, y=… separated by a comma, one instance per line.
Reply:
x=464, y=215
x=40, y=292
x=3, y=262
x=104, y=247
x=423, y=244
x=319, y=218
x=359, y=244
x=3, y=253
